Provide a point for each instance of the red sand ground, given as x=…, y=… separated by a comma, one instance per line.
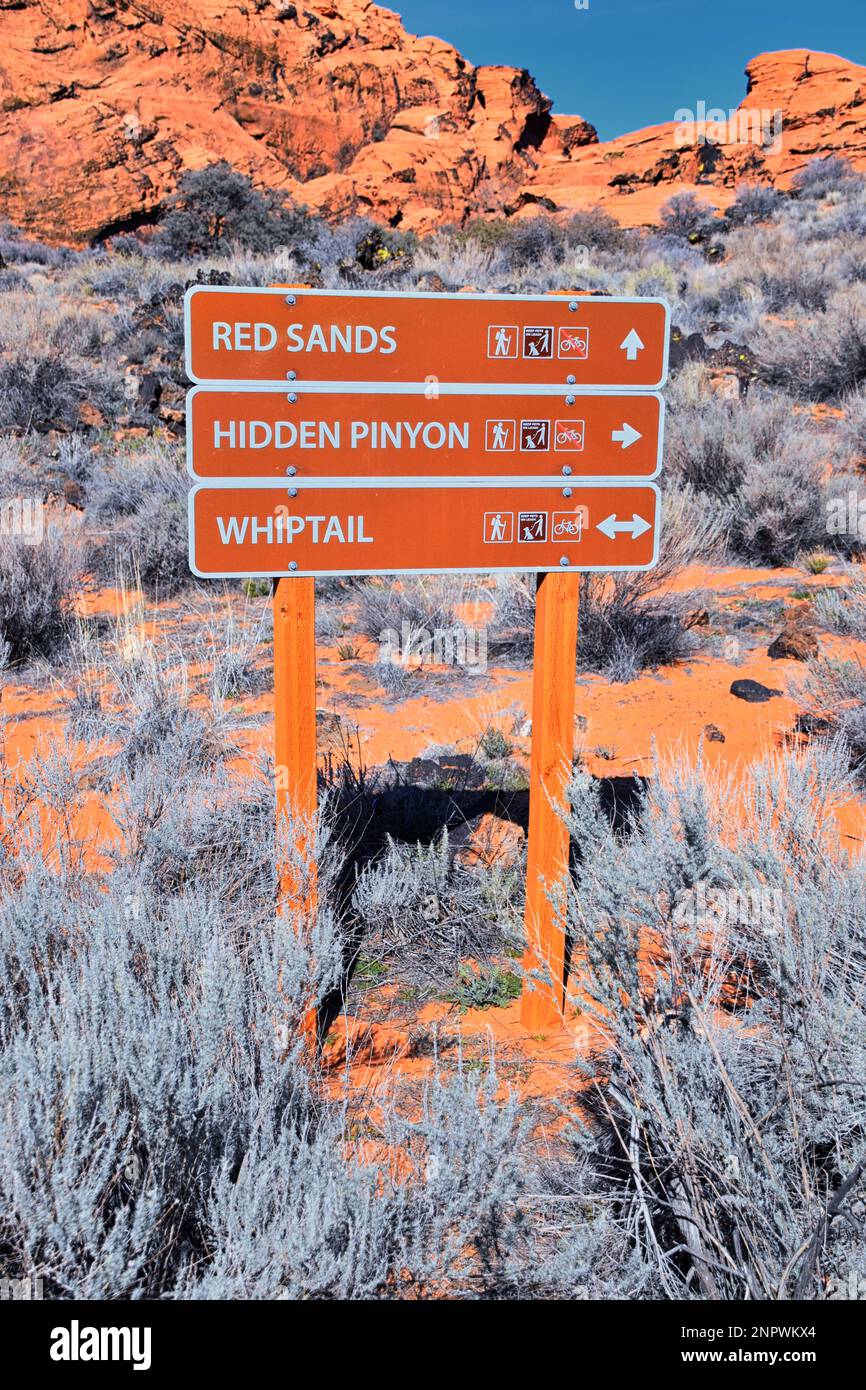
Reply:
x=669, y=710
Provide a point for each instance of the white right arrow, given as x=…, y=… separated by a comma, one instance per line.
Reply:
x=631, y=345
x=636, y=527
x=626, y=436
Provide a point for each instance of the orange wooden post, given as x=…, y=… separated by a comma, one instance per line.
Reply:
x=295, y=740
x=553, y=701
x=295, y=696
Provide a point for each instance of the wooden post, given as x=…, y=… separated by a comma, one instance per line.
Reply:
x=553, y=701
x=295, y=696
x=295, y=742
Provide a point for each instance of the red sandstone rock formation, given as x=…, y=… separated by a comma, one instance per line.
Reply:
x=105, y=103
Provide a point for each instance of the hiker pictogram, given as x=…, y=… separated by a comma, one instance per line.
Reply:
x=499, y=435
x=502, y=340
x=498, y=528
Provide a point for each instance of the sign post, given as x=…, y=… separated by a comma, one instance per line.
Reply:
x=389, y=433
x=295, y=746
x=552, y=751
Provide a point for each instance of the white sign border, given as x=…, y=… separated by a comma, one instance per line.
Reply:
x=363, y=484
x=489, y=388
x=280, y=390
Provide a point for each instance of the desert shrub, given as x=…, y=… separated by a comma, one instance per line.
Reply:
x=724, y=974
x=842, y=609
x=849, y=435
x=513, y=620
x=825, y=175
x=820, y=357
x=207, y=832
x=176, y=1067
x=395, y=678
x=779, y=511
x=216, y=207
x=834, y=692
x=423, y=910
x=633, y=622
x=156, y=719
x=754, y=202
x=597, y=229
x=39, y=582
x=165, y=1136
x=138, y=276
x=53, y=361
x=490, y=987
x=232, y=652
x=842, y=221
x=488, y=231
x=688, y=217
x=711, y=443
x=145, y=497
x=625, y=627
x=17, y=249
x=20, y=466
x=457, y=260
x=326, y=1226
x=411, y=607
x=762, y=465
x=695, y=529
x=46, y=390
x=531, y=240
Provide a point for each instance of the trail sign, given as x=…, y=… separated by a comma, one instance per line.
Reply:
x=375, y=433
x=238, y=432
x=503, y=341
x=345, y=528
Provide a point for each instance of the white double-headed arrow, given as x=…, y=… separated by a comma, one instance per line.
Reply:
x=631, y=345
x=627, y=436
x=636, y=527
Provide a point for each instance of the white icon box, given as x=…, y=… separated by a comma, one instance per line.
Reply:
x=500, y=436
x=503, y=340
x=534, y=436
x=569, y=526
x=532, y=527
x=538, y=340
x=568, y=436
x=498, y=528
x=574, y=343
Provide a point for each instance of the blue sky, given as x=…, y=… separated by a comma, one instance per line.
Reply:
x=624, y=64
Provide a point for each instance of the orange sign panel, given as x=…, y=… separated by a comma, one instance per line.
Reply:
x=238, y=532
x=235, y=334
x=267, y=433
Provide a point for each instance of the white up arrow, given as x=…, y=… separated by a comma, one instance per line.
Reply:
x=626, y=436
x=636, y=527
x=631, y=345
